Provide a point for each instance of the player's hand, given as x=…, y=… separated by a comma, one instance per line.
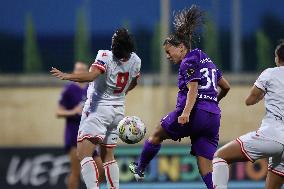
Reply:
x=78, y=110
x=59, y=74
x=183, y=118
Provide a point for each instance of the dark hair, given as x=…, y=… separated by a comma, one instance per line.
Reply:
x=185, y=24
x=122, y=44
x=280, y=50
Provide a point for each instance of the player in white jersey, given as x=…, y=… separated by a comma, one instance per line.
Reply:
x=111, y=76
x=268, y=140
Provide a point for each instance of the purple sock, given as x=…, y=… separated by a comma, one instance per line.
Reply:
x=148, y=153
x=208, y=180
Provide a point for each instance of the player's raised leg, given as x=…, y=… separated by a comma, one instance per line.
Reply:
x=89, y=168
x=150, y=150
x=226, y=155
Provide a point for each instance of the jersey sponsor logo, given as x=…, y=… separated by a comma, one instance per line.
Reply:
x=190, y=72
x=205, y=60
x=207, y=97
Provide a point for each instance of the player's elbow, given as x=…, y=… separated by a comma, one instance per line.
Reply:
x=249, y=101
x=58, y=115
x=94, y=75
x=226, y=88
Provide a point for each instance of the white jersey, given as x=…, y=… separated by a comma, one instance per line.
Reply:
x=109, y=88
x=271, y=81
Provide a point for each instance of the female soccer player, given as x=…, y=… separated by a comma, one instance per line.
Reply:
x=197, y=113
x=70, y=108
x=268, y=140
x=112, y=75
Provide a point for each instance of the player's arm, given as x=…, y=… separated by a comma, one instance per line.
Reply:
x=256, y=95
x=224, y=88
x=82, y=77
x=132, y=85
x=62, y=112
x=190, y=101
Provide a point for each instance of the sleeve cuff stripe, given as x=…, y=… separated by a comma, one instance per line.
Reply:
x=192, y=80
x=258, y=85
x=101, y=62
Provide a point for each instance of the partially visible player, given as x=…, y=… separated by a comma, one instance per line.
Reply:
x=268, y=140
x=112, y=75
x=197, y=113
x=70, y=107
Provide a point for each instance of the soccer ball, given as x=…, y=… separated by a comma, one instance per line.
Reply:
x=131, y=129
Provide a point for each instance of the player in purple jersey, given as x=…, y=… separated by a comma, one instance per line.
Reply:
x=197, y=114
x=70, y=108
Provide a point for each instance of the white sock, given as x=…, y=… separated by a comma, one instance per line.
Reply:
x=90, y=173
x=112, y=174
x=220, y=174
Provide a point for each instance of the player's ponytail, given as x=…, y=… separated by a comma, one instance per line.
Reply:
x=122, y=44
x=280, y=50
x=185, y=23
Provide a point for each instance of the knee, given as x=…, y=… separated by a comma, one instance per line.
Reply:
x=219, y=159
x=217, y=154
x=157, y=136
x=79, y=154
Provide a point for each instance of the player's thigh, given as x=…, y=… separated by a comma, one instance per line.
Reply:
x=169, y=128
x=256, y=146
x=204, y=133
x=85, y=148
x=158, y=135
x=249, y=147
x=111, y=136
x=274, y=181
x=231, y=152
x=94, y=127
x=204, y=146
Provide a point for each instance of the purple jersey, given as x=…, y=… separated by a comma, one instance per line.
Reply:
x=71, y=96
x=197, y=66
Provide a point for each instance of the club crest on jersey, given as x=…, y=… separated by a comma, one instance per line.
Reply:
x=190, y=72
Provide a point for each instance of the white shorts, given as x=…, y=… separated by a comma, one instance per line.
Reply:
x=255, y=146
x=101, y=124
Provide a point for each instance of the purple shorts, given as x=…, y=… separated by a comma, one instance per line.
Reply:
x=203, y=130
x=70, y=138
